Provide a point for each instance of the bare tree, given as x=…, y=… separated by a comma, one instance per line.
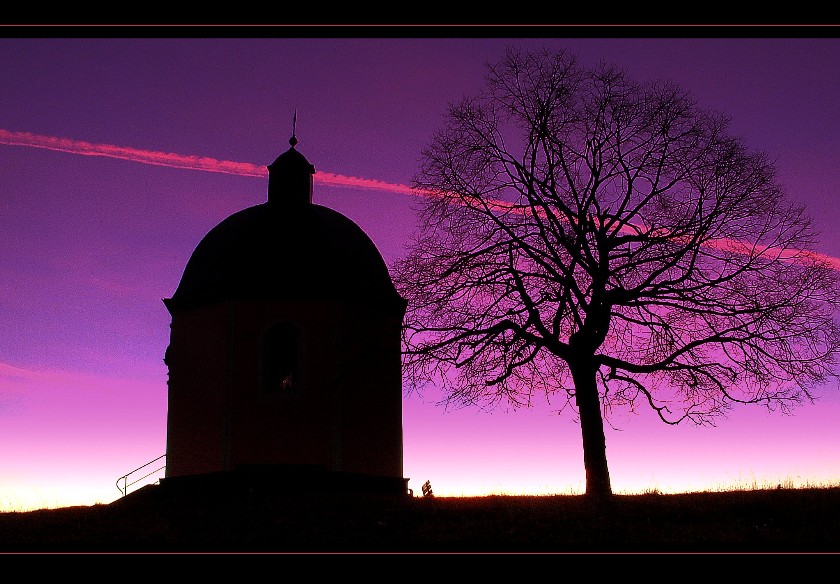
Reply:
x=604, y=242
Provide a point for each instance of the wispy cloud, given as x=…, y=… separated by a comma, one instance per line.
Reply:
x=14, y=378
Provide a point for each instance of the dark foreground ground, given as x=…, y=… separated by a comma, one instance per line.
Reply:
x=149, y=520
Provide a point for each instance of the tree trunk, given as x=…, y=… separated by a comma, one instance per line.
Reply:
x=592, y=429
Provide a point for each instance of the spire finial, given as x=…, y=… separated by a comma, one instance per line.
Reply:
x=293, y=140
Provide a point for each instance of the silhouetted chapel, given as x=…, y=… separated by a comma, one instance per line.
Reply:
x=284, y=355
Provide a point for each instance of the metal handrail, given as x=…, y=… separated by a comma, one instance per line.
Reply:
x=124, y=489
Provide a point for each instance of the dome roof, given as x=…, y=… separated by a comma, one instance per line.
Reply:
x=287, y=248
x=283, y=252
x=292, y=161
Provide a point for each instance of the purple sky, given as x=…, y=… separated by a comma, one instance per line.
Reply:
x=89, y=245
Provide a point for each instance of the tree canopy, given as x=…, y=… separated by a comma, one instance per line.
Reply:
x=605, y=243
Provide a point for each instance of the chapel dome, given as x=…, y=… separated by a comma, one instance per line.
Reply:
x=287, y=248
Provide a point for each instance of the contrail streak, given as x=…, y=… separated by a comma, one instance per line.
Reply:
x=723, y=244
x=207, y=164
x=182, y=161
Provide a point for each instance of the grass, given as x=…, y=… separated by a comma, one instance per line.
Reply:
x=777, y=520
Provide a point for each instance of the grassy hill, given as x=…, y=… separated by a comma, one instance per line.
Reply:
x=256, y=520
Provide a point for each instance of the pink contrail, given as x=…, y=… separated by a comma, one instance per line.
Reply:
x=181, y=161
x=784, y=254
x=207, y=164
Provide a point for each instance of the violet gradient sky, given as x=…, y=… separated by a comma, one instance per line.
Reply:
x=90, y=244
